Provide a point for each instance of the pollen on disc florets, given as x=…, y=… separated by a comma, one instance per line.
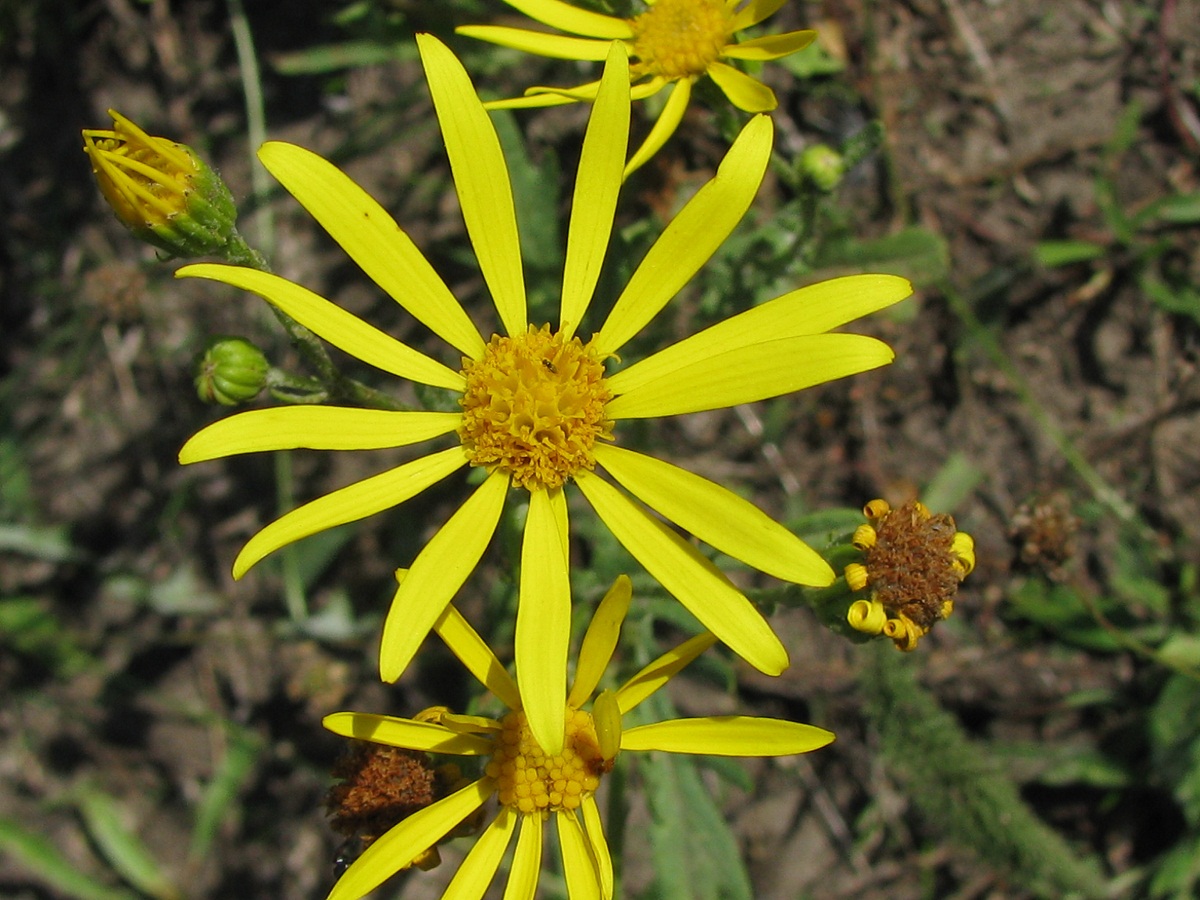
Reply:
x=681, y=38
x=534, y=407
x=530, y=781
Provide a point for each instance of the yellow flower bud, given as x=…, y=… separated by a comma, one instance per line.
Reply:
x=161, y=191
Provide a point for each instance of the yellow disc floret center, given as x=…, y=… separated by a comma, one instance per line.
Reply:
x=531, y=781
x=681, y=38
x=534, y=407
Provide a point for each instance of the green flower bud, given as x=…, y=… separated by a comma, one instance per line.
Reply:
x=230, y=371
x=823, y=166
x=161, y=191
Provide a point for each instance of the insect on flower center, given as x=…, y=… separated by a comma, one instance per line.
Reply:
x=534, y=407
x=681, y=38
x=530, y=781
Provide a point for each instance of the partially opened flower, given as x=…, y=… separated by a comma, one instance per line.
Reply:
x=674, y=42
x=539, y=410
x=531, y=784
x=160, y=190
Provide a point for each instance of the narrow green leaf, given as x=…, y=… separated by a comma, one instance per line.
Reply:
x=242, y=749
x=1052, y=254
x=104, y=819
x=43, y=860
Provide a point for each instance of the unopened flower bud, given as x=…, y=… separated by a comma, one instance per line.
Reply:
x=161, y=191
x=823, y=166
x=230, y=371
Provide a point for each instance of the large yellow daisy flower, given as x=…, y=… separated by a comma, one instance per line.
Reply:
x=673, y=42
x=539, y=408
x=532, y=784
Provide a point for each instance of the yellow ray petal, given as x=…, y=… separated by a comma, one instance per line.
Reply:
x=593, y=830
x=437, y=573
x=533, y=100
x=351, y=503
x=527, y=861
x=342, y=329
x=571, y=18
x=543, y=624
x=754, y=12
x=579, y=867
x=691, y=238
x=399, y=846
x=539, y=43
x=315, y=428
x=407, y=733
x=727, y=736
x=691, y=578
x=666, y=123
x=476, y=872
x=600, y=640
x=747, y=374
x=662, y=670
x=772, y=46
x=589, y=90
x=480, y=178
x=813, y=309
x=596, y=188
x=744, y=92
x=475, y=654
x=716, y=515
x=371, y=237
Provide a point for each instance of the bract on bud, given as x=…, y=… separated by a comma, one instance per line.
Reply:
x=160, y=190
x=230, y=371
x=823, y=166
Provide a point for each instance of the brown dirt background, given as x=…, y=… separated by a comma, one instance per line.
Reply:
x=997, y=111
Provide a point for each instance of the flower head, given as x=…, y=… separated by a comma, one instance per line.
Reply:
x=533, y=785
x=539, y=408
x=673, y=42
x=160, y=190
x=913, y=562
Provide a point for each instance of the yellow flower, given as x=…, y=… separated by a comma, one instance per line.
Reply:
x=531, y=784
x=673, y=42
x=161, y=191
x=539, y=408
x=913, y=562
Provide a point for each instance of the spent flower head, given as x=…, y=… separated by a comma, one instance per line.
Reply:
x=540, y=409
x=673, y=42
x=913, y=562
x=533, y=785
x=160, y=190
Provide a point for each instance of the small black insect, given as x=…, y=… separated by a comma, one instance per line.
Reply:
x=550, y=367
x=347, y=852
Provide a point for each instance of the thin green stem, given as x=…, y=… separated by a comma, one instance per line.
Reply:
x=256, y=122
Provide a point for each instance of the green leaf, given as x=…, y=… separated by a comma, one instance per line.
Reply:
x=1061, y=611
x=811, y=62
x=43, y=860
x=1177, y=209
x=347, y=55
x=1183, y=300
x=242, y=749
x=1053, y=254
x=916, y=253
x=105, y=821
x=27, y=627
x=695, y=853
x=952, y=484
